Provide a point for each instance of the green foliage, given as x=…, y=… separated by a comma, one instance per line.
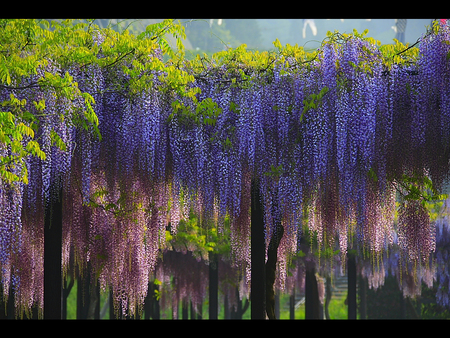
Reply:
x=17, y=129
x=192, y=236
x=419, y=187
x=313, y=101
x=206, y=112
x=275, y=171
x=27, y=45
x=398, y=53
x=209, y=110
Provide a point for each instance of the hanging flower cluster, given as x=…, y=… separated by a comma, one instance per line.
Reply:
x=330, y=139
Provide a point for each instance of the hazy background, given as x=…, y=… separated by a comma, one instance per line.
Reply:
x=260, y=33
x=212, y=35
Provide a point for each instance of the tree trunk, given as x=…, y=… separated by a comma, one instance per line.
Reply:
x=402, y=306
x=258, y=253
x=351, y=296
x=241, y=307
x=94, y=303
x=213, y=286
x=83, y=295
x=362, y=287
x=271, y=267
x=312, y=302
x=226, y=309
x=151, y=305
x=184, y=309
x=200, y=310
x=52, y=258
x=112, y=313
x=328, y=295
x=88, y=297
x=292, y=305
x=7, y=309
x=192, y=310
x=148, y=302
x=156, y=314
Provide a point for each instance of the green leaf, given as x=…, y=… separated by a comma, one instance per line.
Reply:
x=277, y=44
x=25, y=130
x=56, y=140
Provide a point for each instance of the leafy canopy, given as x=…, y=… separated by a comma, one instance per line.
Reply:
x=29, y=48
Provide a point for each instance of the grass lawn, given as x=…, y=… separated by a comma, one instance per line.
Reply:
x=337, y=309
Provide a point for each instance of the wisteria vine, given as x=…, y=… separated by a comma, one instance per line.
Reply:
x=330, y=141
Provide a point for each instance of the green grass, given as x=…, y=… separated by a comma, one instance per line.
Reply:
x=72, y=303
x=337, y=309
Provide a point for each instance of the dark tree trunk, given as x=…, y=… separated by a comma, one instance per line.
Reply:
x=292, y=305
x=111, y=306
x=112, y=313
x=94, y=304
x=234, y=313
x=351, y=296
x=277, y=304
x=328, y=294
x=151, y=305
x=52, y=258
x=312, y=302
x=192, y=310
x=402, y=306
x=271, y=267
x=156, y=312
x=213, y=286
x=88, y=297
x=362, y=287
x=258, y=253
x=184, y=309
x=7, y=310
x=226, y=308
x=240, y=309
x=200, y=310
x=148, y=303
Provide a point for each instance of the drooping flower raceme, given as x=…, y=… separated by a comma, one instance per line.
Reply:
x=329, y=140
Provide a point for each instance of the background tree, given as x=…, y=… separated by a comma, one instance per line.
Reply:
x=210, y=35
x=245, y=31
